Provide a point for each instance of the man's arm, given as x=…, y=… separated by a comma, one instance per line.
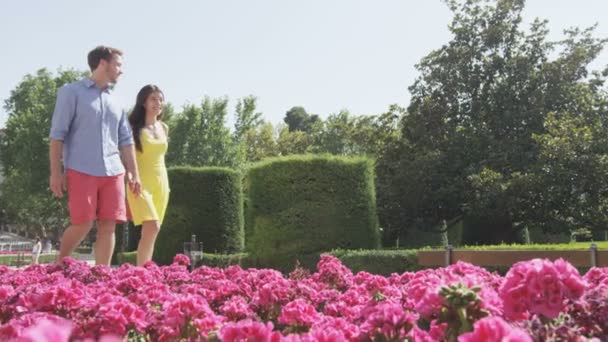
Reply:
x=65, y=109
x=127, y=154
x=56, y=180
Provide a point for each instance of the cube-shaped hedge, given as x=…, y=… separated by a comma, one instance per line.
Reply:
x=300, y=206
x=207, y=202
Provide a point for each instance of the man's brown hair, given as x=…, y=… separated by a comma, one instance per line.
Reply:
x=101, y=52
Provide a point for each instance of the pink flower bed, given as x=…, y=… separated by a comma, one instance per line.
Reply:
x=536, y=300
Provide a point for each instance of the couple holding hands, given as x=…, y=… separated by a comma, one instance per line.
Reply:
x=95, y=146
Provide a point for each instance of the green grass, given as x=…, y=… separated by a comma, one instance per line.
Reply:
x=537, y=247
x=530, y=247
x=11, y=260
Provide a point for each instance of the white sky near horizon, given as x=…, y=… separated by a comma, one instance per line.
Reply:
x=324, y=55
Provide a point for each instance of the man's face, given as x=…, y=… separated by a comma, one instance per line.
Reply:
x=113, y=68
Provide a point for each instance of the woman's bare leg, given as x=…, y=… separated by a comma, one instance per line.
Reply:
x=145, y=249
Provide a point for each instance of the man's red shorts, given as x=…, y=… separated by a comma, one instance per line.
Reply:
x=93, y=197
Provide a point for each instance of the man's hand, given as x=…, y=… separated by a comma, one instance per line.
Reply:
x=57, y=183
x=134, y=184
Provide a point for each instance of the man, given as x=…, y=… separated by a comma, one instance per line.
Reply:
x=91, y=134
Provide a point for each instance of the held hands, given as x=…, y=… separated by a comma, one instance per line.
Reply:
x=134, y=184
x=58, y=184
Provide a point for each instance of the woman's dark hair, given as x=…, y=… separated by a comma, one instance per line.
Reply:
x=137, y=118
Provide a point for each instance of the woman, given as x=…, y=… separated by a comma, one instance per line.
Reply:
x=150, y=135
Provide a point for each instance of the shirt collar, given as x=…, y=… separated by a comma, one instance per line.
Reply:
x=90, y=83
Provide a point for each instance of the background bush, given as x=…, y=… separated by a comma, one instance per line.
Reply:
x=206, y=202
x=383, y=262
x=300, y=206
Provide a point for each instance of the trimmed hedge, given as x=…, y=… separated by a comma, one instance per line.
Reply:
x=207, y=202
x=119, y=236
x=299, y=206
x=126, y=258
x=225, y=260
x=209, y=259
x=383, y=262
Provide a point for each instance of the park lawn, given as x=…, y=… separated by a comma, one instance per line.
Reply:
x=530, y=247
x=544, y=247
x=11, y=259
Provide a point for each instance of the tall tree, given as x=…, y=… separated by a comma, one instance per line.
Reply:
x=246, y=116
x=297, y=119
x=260, y=142
x=24, y=151
x=571, y=175
x=199, y=136
x=480, y=99
x=293, y=142
x=335, y=135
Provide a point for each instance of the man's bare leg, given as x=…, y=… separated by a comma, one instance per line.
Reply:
x=72, y=237
x=104, y=245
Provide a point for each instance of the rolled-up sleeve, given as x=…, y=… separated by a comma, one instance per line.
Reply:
x=125, y=136
x=65, y=109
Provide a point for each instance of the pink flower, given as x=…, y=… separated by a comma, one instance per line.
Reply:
x=40, y=327
x=299, y=313
x=5, y=292
x=249, y=331
x=236, y=308
x=420, y=335
x=331, y=271
x=328, y=335
x=181, y=259
x=540, y=287
x=349, y=330
x=574, y=284
x=387, y=321
x=494, y=329
x=596, y=276
x=49, y=331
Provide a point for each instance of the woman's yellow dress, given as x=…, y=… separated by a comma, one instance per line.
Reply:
x=152, y=203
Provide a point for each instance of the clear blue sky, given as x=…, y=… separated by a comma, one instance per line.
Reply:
x=325, y=55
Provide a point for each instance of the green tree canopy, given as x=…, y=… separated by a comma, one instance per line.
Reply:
x=24, y=152
x=477, y=107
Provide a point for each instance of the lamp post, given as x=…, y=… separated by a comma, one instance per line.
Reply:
x=125, y=237
x=194, y=251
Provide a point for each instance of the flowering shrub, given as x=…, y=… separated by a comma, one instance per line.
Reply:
x=494, y=329
x=536, y=300
x=540, y=287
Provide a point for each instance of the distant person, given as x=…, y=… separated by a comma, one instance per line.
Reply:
x=91, y=134
x=151, y=141
x=36, y=250
x=48, y=246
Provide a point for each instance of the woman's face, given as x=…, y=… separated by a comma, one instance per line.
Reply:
x=154, y=103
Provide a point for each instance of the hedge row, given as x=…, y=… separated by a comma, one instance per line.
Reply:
x=206, y=202
x=300, y=206
x=297, y=207
x=382, y=262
